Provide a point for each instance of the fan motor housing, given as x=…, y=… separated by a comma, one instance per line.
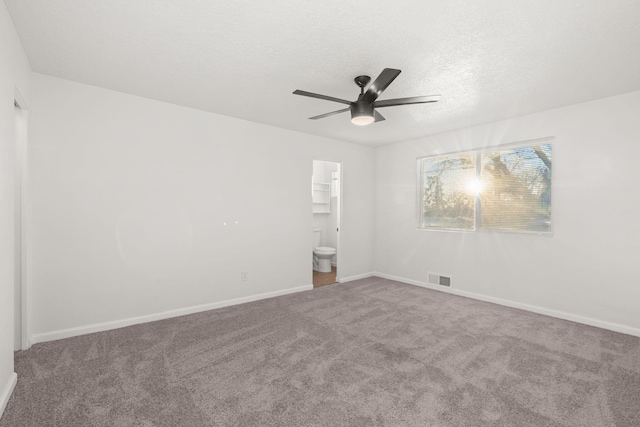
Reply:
x=361, y=109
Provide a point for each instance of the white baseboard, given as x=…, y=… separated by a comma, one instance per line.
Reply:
x=616, y=327
x=106, y=326
x=356, y=277
x=403, y=280
x=6, y=392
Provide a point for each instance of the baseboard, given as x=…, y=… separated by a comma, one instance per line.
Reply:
x=616, y=327
x=403, y=280
x=6, y=392
x=106, y=326
x=356, y=277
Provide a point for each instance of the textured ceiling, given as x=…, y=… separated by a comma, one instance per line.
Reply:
x=489, y=59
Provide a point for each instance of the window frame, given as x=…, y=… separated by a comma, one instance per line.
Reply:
x=478, y=152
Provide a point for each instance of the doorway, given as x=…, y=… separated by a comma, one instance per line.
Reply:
x=326, y=183
x=19, y=203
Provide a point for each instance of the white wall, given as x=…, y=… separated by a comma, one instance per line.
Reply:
x=129, y=197
x=14, y=75
x=587, y=271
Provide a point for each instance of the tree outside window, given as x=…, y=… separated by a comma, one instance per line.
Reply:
x=447, y=202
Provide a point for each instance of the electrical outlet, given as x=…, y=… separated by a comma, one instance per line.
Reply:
x=244, y=276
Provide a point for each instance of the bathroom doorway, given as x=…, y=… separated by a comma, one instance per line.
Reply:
x=326, y=188
x=19, y=161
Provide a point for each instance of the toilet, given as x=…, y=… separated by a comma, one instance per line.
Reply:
x=321, y=254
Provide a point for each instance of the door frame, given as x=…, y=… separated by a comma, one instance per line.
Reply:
x=339, y=258
x=21, y=306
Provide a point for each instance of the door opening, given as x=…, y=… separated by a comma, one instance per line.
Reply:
x=19, y=275
x=326, y=184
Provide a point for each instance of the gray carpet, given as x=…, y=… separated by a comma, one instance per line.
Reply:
x=367, y=353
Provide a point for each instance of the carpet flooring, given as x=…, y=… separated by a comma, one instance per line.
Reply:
x=372, y=352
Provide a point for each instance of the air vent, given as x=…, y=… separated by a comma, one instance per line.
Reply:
x=436, y=279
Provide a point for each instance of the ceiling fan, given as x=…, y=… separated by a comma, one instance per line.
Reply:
x=363, y=110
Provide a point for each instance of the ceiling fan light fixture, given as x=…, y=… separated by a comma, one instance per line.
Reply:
x=362, y=110
x=362, y=120
x=362, y=114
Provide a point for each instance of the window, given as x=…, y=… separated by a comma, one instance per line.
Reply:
x=500, y=189
x=447, y=202
x=516, y=189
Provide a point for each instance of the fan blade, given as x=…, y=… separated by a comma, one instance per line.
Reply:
x=322, y=116
x=379, y=117
x=325, y=97
x=406, y=101
x=380, y=84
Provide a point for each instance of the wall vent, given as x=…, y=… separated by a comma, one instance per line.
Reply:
x=436, y=279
